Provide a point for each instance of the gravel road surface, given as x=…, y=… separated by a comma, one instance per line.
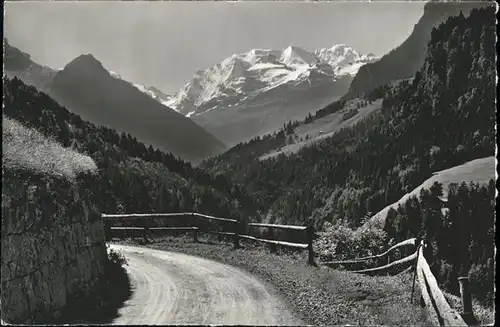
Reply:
x=174, y=288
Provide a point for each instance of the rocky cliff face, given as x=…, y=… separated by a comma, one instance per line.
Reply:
x=53, y=246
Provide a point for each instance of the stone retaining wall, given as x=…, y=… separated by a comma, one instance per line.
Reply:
x=53, y=250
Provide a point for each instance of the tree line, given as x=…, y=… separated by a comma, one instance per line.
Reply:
x=460, y=233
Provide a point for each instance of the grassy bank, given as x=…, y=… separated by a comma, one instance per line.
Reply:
x=317, y=295
x=28, y=149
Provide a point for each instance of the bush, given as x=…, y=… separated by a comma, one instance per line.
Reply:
x=341, y=242
x=116, y=258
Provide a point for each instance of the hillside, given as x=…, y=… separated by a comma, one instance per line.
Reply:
x=86, y=88
x=132, y=176
x=441, y=118
x=153, y=92
x=317, y=130
x=405, y=60
x=29, y=150
x=18, y=63
x=479, y=171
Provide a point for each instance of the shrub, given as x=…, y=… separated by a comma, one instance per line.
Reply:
x=116, y=258
x=339, y=241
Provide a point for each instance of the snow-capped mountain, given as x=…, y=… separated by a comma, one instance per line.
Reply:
x=344, y=59
x=155, y=94
x=151, y=91
x=259, y=70
x=255, y=92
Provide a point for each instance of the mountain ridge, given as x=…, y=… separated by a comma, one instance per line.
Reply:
x=404, y=61
x=88, y=89
x=255, y=92
x=291, y=64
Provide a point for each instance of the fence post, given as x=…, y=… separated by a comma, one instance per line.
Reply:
x=236, y=238
x=107, y=229
x=310, y=235
x=146, y=231
x=388, y=262
x=195, y=235
x=467, y=312
x=415, y=272
x=273, y=248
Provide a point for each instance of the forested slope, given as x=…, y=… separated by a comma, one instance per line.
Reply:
x=132, y=177
x=443, y=118
x=406, y=59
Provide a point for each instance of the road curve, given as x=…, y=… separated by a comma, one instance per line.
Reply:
x=174, y=288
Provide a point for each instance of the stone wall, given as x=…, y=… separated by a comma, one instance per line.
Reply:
x=53, y=247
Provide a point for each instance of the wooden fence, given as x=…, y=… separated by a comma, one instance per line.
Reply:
x=439, y=311
x=235, y=226
x=389, y=265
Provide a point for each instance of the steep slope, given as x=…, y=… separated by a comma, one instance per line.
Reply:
x=405, y=60
x=154, y=93
x=27, y=149
x=18, y=63
x=477, y=171
x=317, y=130
x=90, y=91
x=254, y=93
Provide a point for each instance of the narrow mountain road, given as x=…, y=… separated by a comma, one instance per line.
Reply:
x=174, y=288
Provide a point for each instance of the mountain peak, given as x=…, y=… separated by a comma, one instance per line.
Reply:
x=85, y=61
x=295, y=55
x=343, y=55
x=293, y=48
x=341, y=46
x=258, y=71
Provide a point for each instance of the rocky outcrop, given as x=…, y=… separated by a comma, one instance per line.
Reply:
x=53, y=246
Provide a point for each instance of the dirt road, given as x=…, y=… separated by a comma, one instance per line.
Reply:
x=174, y=288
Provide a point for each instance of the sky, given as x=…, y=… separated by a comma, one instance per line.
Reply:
x=163, y=44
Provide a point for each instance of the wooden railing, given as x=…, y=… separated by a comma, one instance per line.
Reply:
x=439, y=311
x=409, y=242
x=236, y=229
